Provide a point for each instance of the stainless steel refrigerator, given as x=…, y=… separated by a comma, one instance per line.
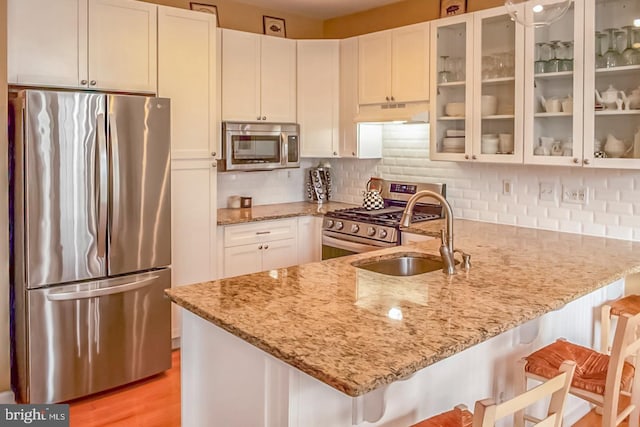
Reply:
x=90, y=242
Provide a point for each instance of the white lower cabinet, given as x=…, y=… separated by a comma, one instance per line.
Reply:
x=259, y=246
x=268, y=245
x=193, y=228
x=309, y=239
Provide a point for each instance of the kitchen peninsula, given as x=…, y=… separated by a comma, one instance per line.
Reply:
x=329, y=344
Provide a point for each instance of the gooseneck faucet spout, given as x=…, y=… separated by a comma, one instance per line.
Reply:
x=446, y=250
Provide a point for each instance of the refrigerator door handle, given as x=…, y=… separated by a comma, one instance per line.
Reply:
x=66, y=296
x=114, y=190
x=102, y=185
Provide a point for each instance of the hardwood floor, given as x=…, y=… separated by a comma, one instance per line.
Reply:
x=154, y=402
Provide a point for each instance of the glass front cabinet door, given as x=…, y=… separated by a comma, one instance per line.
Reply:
x=553, y=86
x=612, y=84
x=498, y=71
x=452, y=95
x=477, y=102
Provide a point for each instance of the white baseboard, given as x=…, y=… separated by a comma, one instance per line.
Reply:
x=175, y=343
x=7, y=397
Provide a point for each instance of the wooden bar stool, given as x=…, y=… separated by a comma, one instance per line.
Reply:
x=599, y=379
x=629, y=305
x=487, y=412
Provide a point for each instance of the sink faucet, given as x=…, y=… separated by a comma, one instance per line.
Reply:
x=446, y=249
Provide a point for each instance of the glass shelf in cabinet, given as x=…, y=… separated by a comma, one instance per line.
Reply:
x=498, y=80
x=626, y=69
x=451, y=118
x=559, y=114
x=616, y=112
x=558, y=75
x=499, y=117
x=450, y=84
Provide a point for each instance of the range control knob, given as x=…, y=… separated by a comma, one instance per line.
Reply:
x=383, y=234
x=330, y=223
x=355, y=228
x=371, y=231
x=339, y=225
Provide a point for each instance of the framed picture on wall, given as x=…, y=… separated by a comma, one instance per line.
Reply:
x=206, y=8
x=273, y=26
x=452, y=7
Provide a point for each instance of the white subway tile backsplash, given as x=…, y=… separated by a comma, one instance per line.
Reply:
x=620, y=208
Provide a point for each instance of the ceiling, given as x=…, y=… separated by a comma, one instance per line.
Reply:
x=320, y=9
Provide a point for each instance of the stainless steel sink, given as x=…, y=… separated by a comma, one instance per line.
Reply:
x=402, y=264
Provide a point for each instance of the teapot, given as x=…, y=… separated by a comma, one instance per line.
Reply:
x=372, y=197
x=615, y=147
x=551, y=105
x=631, y=102
x=609, y=98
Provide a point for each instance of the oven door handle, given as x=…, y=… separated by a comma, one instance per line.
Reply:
x=349, y=246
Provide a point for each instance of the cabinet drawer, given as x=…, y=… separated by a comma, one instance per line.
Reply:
x=261, y=231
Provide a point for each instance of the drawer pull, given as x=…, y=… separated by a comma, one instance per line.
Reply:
x=262, y=232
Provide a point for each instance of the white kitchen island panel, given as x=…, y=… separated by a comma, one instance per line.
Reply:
x=229, y=382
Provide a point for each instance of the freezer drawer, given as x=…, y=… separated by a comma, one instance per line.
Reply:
x=93, y=336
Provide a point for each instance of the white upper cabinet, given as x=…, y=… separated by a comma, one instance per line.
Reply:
x=95, y=44
x=394, y=65
x=188, y=37
x=318, y=97
x=122, y=45
x=612, y=123
x=47, y=42
x=258, y=78
x=348, y=97
x=477, y=109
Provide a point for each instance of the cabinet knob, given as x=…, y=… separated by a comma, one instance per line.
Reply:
x=392, y=98
x=575, y=160
x=93, y=82
x=353, y=153
x=335, y=153
x=83, y=82
x=213, y=154
x=474, y=157
x=260, y=247
x=264, y=117
x=586, y=161
x=387, y=98
x=466, y=157
x=259, y=118
x=266, y=247
x=214, y=165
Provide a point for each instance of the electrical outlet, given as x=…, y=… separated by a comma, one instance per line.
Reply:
x=547, y=191
x=578, y=195
x=507, y=187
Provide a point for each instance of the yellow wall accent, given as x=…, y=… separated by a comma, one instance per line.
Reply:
x=405, y=12
x=245, y=17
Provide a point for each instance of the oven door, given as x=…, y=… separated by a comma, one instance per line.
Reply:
x=335, y=245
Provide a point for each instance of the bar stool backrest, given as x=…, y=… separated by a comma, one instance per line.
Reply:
x=487, y=412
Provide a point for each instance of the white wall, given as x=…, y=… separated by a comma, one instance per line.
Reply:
x=475, y=189
x=278, y=186
x=4, y=228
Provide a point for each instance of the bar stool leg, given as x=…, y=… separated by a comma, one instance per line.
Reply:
x=605, y=327
x=520, y=386
x=634, y=417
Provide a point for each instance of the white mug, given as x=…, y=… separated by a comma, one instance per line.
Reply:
x=506, y=142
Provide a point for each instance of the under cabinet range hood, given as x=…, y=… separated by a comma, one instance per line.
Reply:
x=415, y=112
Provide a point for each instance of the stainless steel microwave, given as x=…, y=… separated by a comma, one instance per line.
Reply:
x=260, y=146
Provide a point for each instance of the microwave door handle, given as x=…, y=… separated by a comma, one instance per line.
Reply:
x=284, y=143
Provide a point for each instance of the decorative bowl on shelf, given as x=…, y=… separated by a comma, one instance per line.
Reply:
x=454, y=109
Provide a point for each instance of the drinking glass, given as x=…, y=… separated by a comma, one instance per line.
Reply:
x=612, y=57
x=457, y=68
x=566, y=63
x=600, y=62
x=539, y=65
x=635, y=58
x=627, y=54
x=553, y=65
x=444, y=75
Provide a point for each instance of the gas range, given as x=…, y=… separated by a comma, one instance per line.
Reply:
x=380, y=228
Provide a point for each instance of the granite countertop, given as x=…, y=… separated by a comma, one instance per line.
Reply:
x=228, y=216
x=358, y=330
